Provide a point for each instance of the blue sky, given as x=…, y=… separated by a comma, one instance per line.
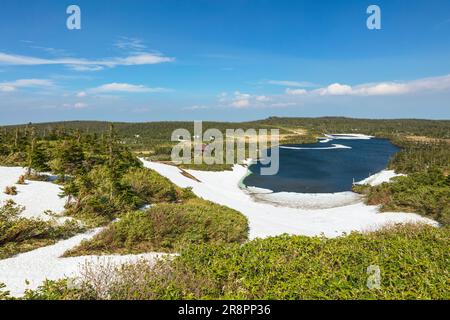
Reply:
x=223, y=60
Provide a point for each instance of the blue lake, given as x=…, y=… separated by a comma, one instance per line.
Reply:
x=324, y=167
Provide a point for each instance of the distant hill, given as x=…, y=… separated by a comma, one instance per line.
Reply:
x=157, y=133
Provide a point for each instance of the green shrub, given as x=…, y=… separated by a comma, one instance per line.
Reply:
x=4, y=294
x=168, y=228
x=101, y=197
x=413, y=261
x=150, y=186
x=426, y=193
x=58, y=290
x=19, y=234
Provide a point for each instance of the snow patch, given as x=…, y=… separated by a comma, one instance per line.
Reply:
x=379, y=178
x=334, y=146
x=349, y=136
x=36, y=196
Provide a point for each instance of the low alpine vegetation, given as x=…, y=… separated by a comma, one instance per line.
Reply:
x=168, y=227
x=283, y=267
x=426, y=193
x=18, y=234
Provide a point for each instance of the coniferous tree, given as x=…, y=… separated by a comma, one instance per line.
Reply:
x=37, y=159
x=69, y=159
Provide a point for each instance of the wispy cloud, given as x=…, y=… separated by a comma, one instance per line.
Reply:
x=125, y=88
x=77, y=105
x=288, y=83
x=25, y=83
x=50, y=50
x=84, y=64
x=263, y=98
x=296, y=92
x=196, y=107
x=130, y=44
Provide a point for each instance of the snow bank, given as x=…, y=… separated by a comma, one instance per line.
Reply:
x=267, y=219
x=304, y=200
x=349, y=136
x=44, y=263
x=380, y=177
x=35, y=196
x=334, y=146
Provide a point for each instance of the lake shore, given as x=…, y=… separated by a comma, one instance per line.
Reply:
x=266, y=219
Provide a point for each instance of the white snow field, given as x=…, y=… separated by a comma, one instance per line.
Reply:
x=267, y=219
x=36, y=196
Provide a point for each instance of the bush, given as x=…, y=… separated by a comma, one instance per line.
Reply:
x=426, y=193
x=150, y=186
x=11, y=190
x=168, y=228
x=100, y=196
x=19, y=234
x=413, y=261
x=21, y=180
x=4, y=294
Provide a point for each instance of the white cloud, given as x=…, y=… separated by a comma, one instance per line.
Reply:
x=83, y=68
x=296, y=92
x=335, y=89
x=387, y=88
x=263, y=98
x=287, y=83
x=283, y=104
x=241, y=103
x=77, y=105
x=6, y=88
x=84, y=64
x=80, y=105
x=241, y=100
x=125, y=87
x=244, y=100
x=25, y=83
x=382, y=89
x=222, y=97
x=196, y=107
x=300, y=96
x=81, y=94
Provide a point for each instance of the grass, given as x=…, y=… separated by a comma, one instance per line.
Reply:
x=168, y=228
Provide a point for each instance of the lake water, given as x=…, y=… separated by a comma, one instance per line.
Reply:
x=325, y=167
